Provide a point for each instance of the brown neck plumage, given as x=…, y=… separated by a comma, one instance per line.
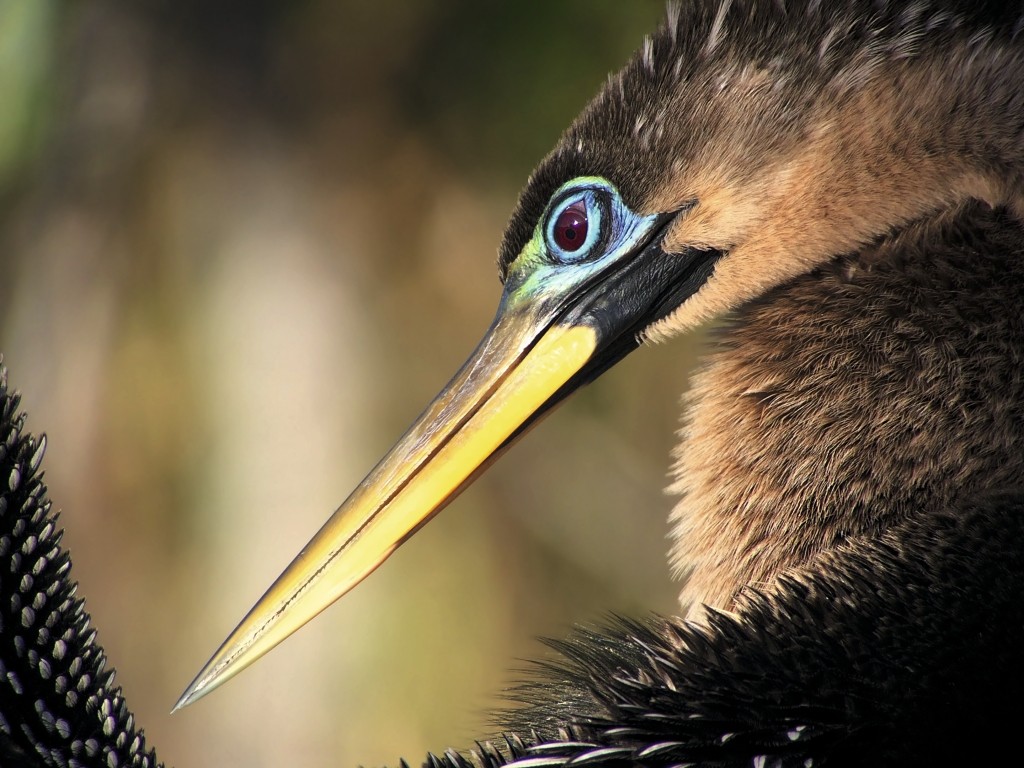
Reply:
x=830, y=151
x=884, y=384
x=873, y=266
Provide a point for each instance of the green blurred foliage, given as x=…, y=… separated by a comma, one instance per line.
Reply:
x=26, y=48
x=512, y=115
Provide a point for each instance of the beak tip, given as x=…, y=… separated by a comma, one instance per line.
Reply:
x=197, y=689
x=190, y=696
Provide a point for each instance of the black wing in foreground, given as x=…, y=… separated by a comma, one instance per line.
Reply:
x=906, y=650
x=58, y=705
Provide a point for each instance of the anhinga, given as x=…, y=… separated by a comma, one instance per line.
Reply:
x=844, y=183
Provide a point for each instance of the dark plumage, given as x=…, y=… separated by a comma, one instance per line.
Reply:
x=58, y=704
x=867, y=657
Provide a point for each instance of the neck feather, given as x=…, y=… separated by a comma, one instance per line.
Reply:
x=885, y=384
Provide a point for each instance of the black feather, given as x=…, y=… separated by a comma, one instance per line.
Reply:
x=902, y=650
x=58, y=703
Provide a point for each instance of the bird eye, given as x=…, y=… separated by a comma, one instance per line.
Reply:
x=574, y=226
x=570, y=230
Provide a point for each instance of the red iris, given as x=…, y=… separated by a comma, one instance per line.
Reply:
x=570, y=229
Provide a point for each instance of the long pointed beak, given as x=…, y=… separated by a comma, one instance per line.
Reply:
x=543, y=344
x=513, y=372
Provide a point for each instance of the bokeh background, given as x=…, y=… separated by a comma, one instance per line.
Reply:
x=242, y=243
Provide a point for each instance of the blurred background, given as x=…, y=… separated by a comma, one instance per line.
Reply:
x=242, y=244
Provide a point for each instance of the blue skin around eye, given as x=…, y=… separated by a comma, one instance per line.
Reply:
x=542, y=271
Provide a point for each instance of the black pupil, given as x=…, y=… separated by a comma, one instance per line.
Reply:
x=571, y=227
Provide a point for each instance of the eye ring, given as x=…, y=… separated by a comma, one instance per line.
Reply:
x=575, y=225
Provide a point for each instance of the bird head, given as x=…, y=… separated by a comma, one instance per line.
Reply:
x=742, y=146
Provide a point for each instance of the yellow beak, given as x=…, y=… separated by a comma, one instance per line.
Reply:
x=560, y=324
x=518, y=367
